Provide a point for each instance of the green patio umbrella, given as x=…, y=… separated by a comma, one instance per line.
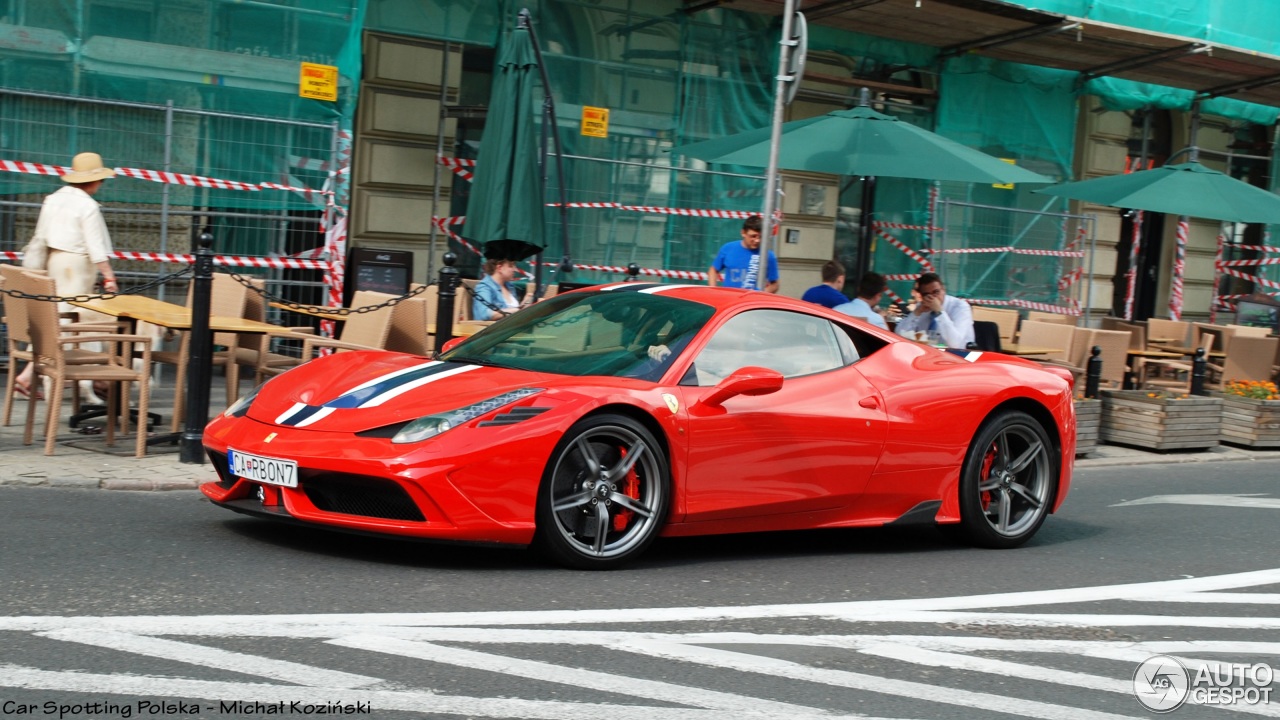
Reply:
x=863, y=142
x=1189, y=189
x=505, y=212
x=1186, y=189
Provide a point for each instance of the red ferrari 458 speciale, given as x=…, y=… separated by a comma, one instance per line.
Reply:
x=595, y=421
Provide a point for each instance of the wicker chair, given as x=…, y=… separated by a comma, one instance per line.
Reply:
x=131, y=365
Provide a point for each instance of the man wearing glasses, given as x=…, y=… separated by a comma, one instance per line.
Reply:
x=938, y=318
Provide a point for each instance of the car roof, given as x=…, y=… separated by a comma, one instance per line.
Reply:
x=720, y=298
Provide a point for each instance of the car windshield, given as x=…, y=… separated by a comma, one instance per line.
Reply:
x=620, y=333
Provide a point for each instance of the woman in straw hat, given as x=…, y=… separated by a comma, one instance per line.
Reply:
x=72, y=227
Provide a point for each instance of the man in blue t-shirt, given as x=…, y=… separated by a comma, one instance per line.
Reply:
x=738, y=263
x=830, y=292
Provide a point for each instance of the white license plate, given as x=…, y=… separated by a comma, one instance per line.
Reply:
x=271, y=471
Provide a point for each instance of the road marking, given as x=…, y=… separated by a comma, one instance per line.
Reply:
x=1223, y=500
x=204, y=656
x=439, y=639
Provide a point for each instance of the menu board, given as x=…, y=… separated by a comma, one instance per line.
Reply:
x=382, y=278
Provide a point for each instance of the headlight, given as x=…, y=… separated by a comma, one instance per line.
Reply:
x=428, y=427
x=240, y=407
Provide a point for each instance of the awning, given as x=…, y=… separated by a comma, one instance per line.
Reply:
x=1012, y=33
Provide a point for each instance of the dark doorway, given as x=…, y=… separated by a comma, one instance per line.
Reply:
x=1149, y=146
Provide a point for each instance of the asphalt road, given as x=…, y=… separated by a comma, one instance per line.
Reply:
x=117, y=604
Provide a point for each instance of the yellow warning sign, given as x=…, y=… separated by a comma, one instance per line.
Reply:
x=595, y=122
x=1004, y=186
x=318, y=82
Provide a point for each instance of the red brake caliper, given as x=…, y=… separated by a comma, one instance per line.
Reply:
x=630, y=488
x=987, y=461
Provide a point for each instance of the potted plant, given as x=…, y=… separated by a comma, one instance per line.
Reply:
x=1088, y=423
x=1160, y=420
x=1251, y=414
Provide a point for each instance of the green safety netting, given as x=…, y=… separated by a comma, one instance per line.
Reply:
x=668, y=77
x=1246, y=24
x=181, y=86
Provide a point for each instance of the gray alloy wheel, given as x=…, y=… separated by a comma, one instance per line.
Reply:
x=605, y=493
x=1009, y=481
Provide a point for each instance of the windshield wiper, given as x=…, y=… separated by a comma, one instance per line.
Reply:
x=476, y=361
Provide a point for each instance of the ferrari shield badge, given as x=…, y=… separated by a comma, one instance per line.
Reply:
x=673, y=404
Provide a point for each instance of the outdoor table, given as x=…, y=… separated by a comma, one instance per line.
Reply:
x=139, y=308
x=315, y=311
x=463, y=328
x=1183, y=350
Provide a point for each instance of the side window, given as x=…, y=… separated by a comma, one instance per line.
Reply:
x=794, y=344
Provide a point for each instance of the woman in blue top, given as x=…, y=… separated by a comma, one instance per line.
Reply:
x=495, y=294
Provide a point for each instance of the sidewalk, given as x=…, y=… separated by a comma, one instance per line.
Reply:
x=84, y=461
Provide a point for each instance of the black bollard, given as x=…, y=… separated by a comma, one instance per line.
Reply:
x=444, y=306
x=1198, y=364
x=633, y=272
x=191, y=445
x=1093, y=372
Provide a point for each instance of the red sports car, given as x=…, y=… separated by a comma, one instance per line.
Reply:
x=595, y=421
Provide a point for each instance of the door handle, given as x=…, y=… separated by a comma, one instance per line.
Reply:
x=870, y=402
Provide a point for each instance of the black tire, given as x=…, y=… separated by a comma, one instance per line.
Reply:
x=604, y=495
x=1008, y=482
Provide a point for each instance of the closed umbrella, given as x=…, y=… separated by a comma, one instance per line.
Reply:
x=861, y=141
x=505, y=213
x=1185, y=189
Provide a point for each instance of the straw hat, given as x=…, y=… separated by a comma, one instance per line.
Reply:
x=86, y=168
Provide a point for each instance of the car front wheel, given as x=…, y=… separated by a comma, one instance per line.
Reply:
x=604, y=495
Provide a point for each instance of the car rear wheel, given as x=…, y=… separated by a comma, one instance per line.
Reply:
x=1009, y=479
x=604, y=495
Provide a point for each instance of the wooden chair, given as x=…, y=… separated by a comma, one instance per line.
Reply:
x=1007, y=320
x=462, y=301
x=1039, y=316
x=1049, y=335
x=1137, y=334
x=1115, y=346
x=1249, y=331
x=410, y=319
x=254, y=350
x=360, y=331
x=1160, y=329
x=227, y=298
x=1168, y=373
x=19, y=340
x=1250, y=358
x=131, y=364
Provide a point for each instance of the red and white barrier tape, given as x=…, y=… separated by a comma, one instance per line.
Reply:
x=1008, y=249
x=1179, y=268
x=924, y=262
x=1249, y=263
x=227, y=260
x=170, y=178
x=679, y=274
x=459, y=166
x=1073, y=309
x=1253, y=278
x=900, y=226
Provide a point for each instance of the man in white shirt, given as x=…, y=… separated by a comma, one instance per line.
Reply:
x=870, y=289
x=938, y=318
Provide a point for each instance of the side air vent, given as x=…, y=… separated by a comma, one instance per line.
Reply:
x=515, y=415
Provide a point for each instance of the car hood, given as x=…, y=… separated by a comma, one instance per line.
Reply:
x=358, y=391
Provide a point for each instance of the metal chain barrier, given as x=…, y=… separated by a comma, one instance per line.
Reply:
x=324, y=310
x=103, y=296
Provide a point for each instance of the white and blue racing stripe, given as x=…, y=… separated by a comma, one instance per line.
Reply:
x=374, y=393
x=970, y=355
x=647, y=288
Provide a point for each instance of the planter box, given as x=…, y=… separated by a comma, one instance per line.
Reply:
x=1088, y=425
x=1130, y=417
x=1251, y=423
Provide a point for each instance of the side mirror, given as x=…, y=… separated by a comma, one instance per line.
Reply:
x=451, y=344
x=745, y=381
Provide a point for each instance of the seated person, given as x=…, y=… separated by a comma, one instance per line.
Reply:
x=870, y=288
x=830, y=292
x=495, y=294
x=938, y=318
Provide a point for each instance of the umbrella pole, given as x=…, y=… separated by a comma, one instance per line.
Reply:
x=549, y=107
x=864, y=225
